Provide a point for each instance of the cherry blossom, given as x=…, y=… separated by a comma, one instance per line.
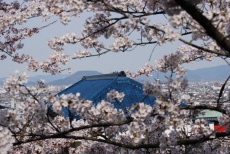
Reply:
x=39, y=125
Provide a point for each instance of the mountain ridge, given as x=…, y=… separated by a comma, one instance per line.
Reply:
x=217, y=73
x=77, y=76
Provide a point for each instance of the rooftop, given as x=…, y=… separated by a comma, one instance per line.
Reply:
x=95, y=88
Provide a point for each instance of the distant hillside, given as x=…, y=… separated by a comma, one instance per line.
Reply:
x=33, y=80
x=60, y=79
x=73, y=78
x=217, y=73
x=48, y=78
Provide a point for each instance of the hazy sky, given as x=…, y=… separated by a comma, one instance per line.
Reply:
x=37, y=46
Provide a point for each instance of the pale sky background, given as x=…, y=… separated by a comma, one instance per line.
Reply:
x=134, y=60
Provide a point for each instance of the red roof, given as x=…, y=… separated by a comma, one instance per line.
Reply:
x=220, y=129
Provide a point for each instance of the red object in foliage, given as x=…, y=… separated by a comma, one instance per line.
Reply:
x=219, y=129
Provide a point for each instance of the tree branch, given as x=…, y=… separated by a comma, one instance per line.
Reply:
x=203, y=107
x=128, y=146
x=64, y=133
x=206, y=24
x=221, y=92
x=204, y=49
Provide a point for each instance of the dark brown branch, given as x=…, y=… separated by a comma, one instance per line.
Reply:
x=206, y=24
x=221, y=92
x=29, y=92
x=64, y=133
x=128, y=146
x=204, y=49
x=48, y=119
x=203, y=107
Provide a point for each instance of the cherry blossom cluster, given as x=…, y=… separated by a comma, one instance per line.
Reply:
x=58, y=43
x=114, y=95
x=103, y=24
x=6, y=138
x=39, y=124
x=147, y=70
x=82, y=53
x=12, y=84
